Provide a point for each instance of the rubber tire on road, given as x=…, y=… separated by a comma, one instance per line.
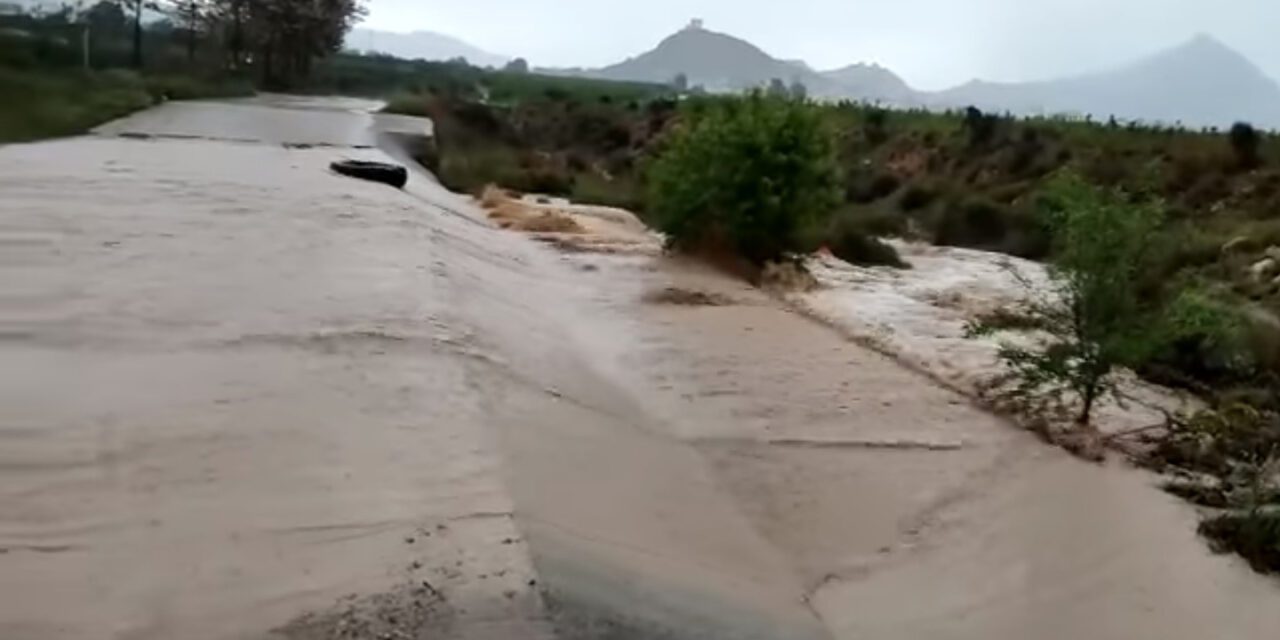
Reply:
x=384, y=172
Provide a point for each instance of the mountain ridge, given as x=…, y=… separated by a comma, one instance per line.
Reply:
x=1190, y=82
x=426, y=45
x=716, y=61
x=1199, y=82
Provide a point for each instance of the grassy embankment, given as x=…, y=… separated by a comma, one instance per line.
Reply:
x=48, y=93
x=46, y=103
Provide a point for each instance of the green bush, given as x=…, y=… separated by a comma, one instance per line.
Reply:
x=881, y=185
x=874, y=126
x=917, y=197
x=855, y=246
x=981, y=126
x=1245, y=141
x=972, y=222
x=1255, y=537
x=746, y=175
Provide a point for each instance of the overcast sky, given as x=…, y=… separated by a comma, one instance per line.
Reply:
x=931, y=43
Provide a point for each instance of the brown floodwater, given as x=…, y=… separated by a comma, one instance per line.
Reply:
x=244, y=397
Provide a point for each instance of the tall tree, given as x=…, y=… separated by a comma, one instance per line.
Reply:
x=191, y=17
x=107, y=19
x=288, y=34
x=136, y=6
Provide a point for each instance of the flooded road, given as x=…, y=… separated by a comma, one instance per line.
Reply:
x=247, y=398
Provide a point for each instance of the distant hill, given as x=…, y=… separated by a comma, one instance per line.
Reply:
x=714, y=60
x=426, y=45
x=1200, y=83
x=873, y=83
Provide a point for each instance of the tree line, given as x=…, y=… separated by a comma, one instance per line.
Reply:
x=276, y=40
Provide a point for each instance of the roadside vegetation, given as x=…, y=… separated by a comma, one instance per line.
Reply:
x=64, y=71
x=563, y=136
x=1163, y=244
x=67, y=103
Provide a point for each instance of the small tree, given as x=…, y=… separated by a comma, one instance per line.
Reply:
x=1245, y=141
x=519, y=65
x=1094, y=317
x=746, y=174
x=798, y=90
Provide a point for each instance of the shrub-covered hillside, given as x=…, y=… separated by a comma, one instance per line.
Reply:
x=966, y=179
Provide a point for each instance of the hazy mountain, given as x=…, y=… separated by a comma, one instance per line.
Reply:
x=874, y=83
x=421, y=44
x=1201, y=83
x=713, y=60
x=800, y=64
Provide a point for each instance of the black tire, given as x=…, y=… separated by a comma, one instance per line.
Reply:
x=384, y=172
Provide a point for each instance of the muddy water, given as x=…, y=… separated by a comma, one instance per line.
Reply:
x=905, y=511
x=244, y=394
x=235, y=391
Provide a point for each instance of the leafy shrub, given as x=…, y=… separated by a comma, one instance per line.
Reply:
x=917, y=197
x=1255, y=537
x=883, y=186
x=744, y=174
x=972, y=222
x=857, y=247
x=1007, y=194
x=1025, y=151
x=874, y=127
x=981, y=126
x=864, y=188
x=1245, y=141
x=1207, y=342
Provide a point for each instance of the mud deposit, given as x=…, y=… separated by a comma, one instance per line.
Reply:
x=246, y=398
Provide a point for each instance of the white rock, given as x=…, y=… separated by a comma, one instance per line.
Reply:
x=1263, y=268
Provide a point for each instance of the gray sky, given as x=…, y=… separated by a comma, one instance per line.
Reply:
x=931, y=43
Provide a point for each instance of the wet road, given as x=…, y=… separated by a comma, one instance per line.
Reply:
x=247, y=398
